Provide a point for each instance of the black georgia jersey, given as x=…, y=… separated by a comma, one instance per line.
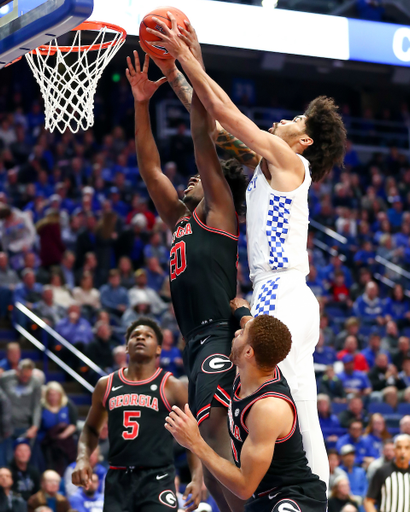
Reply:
x=289, y=464
x=203, y=268
x=136, y=419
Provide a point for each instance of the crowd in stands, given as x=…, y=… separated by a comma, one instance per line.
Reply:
x=83, y=248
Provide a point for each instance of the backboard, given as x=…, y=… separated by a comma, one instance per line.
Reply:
x=27, y=24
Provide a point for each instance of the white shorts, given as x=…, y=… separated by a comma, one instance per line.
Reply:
x=287, y=297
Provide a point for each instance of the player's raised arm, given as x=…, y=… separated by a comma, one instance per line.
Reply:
x=88, y=442
x=160, y=188
x=219, y=105
x=257, y=451
x=218, y=201
x=180, y=85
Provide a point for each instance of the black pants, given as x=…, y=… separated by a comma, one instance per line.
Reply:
x=140, y=490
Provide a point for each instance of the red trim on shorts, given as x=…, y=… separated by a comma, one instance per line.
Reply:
x=214, y=230
x=162, y=390
x=138, y=382
x=221, y=401
x=234, y=451
x=107, y=389
x=117, y=467
x=203, y=418
x=221, y=390
x=203, y=409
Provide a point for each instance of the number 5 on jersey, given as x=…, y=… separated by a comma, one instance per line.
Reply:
x=177, y=260
x=129, y=422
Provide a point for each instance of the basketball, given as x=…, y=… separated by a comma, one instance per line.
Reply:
x=147, y=22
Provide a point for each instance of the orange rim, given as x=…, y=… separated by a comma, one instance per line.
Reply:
x=86, y=25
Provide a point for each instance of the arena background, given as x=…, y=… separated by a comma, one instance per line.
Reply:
x=359, y=232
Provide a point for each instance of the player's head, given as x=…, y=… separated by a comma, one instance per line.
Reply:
x=319, y=134
x=143, y=339
x=235, y=177
x=325, y=126
x=264, y=342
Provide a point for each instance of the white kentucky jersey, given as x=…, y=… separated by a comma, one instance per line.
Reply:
x=277, y=226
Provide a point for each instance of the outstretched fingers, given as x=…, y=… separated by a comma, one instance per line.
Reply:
x=146, y=64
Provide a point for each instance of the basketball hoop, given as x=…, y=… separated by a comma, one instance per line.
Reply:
x=68, y=85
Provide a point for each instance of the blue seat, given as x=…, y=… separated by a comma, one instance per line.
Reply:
x=338, y=407
x=403, y=409
x=380, y=407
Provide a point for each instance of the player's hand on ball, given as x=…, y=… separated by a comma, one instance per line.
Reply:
x=191, y=39
x=170, y=37
x=183, y=427
x=82, y=474
x=142, y=88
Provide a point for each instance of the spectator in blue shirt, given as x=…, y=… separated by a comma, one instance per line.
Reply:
x=356, y=475
x=329, y=423
x=323, y=355
x=354, y=382
x=155, y=274
x=171, y=357
x=114, y=297
x=365, y=256
x=12, y=359
x=354, y=436
x=376, y=433
x=28, y=292
x=373, y=348
x=88, y=500
x=316, y=284
x=395, y=213
x=154, y=249
x=336, y=263
x=398, y=307
x=74, y=328
x=369, y=307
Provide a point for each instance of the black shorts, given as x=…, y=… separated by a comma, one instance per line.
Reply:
x=290, y=499
x=140, y=490
x=209, y=369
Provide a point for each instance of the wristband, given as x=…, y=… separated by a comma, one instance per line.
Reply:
x=241, y=312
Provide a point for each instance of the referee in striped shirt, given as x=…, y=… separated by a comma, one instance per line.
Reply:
x=389, y=488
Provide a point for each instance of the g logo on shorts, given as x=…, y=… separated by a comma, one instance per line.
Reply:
x=286, y=505
x=168, y=498
x=216, y=363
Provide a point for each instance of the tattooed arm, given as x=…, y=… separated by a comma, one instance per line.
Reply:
x=227, y=142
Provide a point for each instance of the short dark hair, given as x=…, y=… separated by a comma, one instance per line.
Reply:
x=355, y=420
x=271, y=341
x=237, y=181
x=149, y=323
x=325, y=125
x=332, y=451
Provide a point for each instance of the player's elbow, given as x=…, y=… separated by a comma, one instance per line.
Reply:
x=245, y=492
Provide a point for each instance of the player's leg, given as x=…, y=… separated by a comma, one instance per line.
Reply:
x=118, y=491
x=289, y=299
x=299, y=370
x=215, y=432
x=213, y=374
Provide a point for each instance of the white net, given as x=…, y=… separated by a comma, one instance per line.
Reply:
x=68, y=79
